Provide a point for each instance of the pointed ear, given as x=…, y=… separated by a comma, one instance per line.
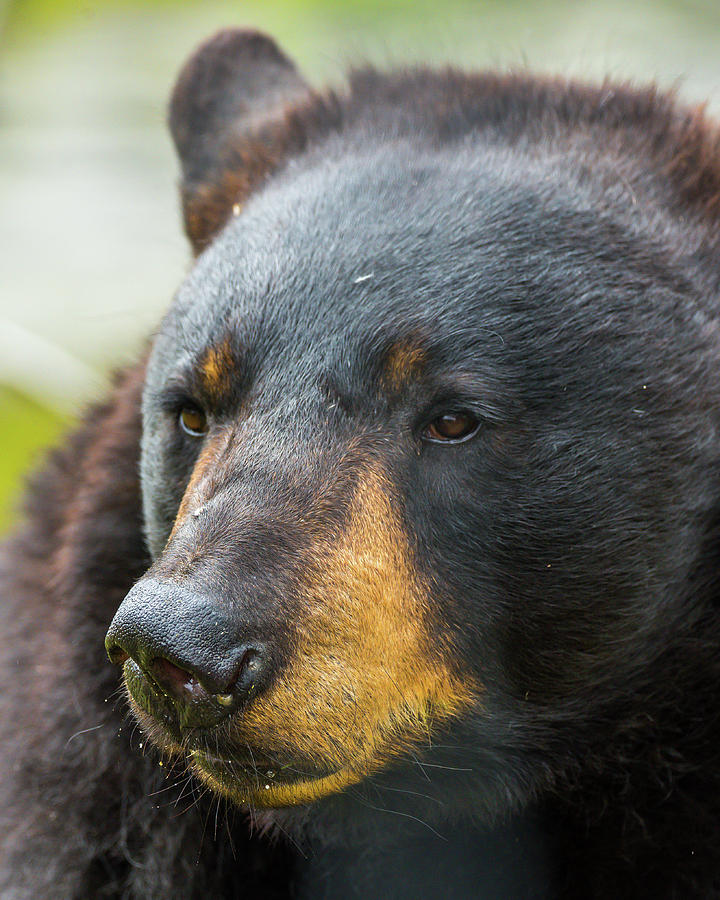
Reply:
x=227, y=97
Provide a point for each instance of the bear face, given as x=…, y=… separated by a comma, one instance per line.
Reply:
x=407, y=429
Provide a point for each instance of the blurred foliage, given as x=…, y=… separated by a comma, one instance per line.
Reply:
x=28, y=427
x=32, y=17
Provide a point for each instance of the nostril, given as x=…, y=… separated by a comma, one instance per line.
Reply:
x=249, y=664
x=249, y=672
x=117, y=655
x=200, y=685
x=176, y=681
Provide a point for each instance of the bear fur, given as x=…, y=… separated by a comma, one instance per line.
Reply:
x=531, y=262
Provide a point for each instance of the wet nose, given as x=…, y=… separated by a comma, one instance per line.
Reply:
x=187, y=649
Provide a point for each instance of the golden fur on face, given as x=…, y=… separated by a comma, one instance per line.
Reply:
x=365, y=682
x=217, y=367
x=404, y=363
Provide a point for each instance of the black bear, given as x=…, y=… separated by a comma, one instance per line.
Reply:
x=406, y=530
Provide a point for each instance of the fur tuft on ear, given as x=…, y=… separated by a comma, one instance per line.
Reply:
x=229, y=92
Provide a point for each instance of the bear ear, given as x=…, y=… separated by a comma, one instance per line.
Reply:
x=228, y=95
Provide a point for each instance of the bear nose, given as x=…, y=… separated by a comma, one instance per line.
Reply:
x=187, y=649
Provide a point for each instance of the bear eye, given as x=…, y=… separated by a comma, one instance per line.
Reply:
x=193, y=421
x=451, y=428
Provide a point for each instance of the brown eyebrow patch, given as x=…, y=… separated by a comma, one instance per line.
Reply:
x=216, y=368
x=404, y=362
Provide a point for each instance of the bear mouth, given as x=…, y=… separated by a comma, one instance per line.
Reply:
x=247, y=776
x=276, y=787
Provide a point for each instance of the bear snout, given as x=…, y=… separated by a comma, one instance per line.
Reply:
x=186, y=650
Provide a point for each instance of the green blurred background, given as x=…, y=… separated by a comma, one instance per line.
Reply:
x=90, y=242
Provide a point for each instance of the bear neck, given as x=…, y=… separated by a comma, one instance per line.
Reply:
x=411, y=861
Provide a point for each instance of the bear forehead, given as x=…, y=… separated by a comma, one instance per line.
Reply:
x=335, y=252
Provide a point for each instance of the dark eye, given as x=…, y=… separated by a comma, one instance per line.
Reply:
x=193, y=421
x=451, y=428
